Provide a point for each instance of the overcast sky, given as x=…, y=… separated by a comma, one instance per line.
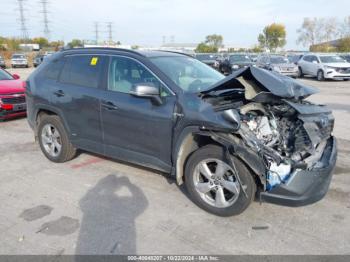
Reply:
x=144, y=22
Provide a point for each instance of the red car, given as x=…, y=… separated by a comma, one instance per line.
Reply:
x=12, y=98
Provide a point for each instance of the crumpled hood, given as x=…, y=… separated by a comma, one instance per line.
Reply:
x=266, y=82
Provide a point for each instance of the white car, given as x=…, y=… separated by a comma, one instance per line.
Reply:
x=324, y=66
x=19, y=60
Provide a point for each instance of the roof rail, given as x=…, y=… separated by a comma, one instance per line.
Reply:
x=102, y=48
x=175, y=52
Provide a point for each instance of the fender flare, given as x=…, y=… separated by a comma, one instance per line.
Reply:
x=186, y=144
x=45, y=107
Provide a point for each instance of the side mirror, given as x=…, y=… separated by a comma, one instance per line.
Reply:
x=15, y=76
x=147, y=90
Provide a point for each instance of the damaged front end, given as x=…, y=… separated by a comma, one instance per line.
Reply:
x=289, y=137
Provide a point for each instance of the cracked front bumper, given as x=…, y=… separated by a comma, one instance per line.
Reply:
x=306, y=186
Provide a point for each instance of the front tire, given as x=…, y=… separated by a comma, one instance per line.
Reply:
x=53, y=139
x=300, y=73
x=320, y=75
x=213, y=184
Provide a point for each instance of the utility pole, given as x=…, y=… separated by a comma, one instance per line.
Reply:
x=45, y=19
x=96, y=32
x=110, y=33
x=22, y=20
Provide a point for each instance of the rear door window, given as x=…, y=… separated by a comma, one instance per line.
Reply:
x=82, y=70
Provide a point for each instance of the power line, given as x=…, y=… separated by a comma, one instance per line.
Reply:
x=22, y=19
x=96, y=32
x=45, y=18
x=110, y=33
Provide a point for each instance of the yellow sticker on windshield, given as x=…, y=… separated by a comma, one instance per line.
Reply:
x=94, y=61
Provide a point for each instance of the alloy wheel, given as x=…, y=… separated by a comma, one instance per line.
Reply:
x=51, y=140
x=216, y=183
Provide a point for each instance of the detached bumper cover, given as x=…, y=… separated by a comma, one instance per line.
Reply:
x=306, y=186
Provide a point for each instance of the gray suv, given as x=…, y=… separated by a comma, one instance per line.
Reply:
x=227, y=139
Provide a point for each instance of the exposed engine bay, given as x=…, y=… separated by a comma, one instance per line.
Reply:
x=288, y=133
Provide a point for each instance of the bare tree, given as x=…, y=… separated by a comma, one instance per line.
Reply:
x=345, y=27
x=330, y=29
x=310, y=31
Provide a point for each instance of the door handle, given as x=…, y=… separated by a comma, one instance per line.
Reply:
x=59, y=93
x=109, y=105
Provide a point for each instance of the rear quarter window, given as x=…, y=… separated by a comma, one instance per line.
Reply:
x=53, y=69
x=82, y=70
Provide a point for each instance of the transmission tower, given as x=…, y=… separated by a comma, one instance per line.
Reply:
x=22, y=19
x=45, y=19
x=96, y=32
x=110, y=33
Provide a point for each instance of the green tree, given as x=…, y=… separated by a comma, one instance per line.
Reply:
x=42, y=41
x=75, y=43
x=204, y=48
x=256, y=49
x=214, y=40
x=344, y=45
x=273, y=36
x=56, y=44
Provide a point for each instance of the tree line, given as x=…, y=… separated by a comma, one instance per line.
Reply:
x=315, y=33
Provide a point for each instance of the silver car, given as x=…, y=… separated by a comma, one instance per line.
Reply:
x=19, y=60
x=324, y=66
x=279, y=64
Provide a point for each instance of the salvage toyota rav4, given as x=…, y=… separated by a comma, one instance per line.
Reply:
x=227, y=139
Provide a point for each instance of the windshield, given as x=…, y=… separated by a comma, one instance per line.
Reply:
x=189, y=74
x=239, y=58
x=18, y=56
x=5, y=76
x=279, y=60
x=332, y=59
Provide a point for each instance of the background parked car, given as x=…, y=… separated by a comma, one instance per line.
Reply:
x=294, y=58
x=12, y=98
x=324, y=66
x=2, y=62
x=346, y=57
x=209, y=59
x=38, y=60
x=279, y=64
x=254, y=57
x=19, y=60
x=235, y=62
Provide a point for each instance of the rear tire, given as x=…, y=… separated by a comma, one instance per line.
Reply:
x=53, y=139
x=213, y=185
x=320, y=75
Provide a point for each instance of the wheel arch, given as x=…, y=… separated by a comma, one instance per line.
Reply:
x=41, y=110
x=193, y=138
x=190, y=139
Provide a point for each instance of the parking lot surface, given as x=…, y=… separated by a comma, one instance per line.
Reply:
x=101, y=206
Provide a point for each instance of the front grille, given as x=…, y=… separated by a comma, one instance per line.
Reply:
x=344, y=70
x=14, y=100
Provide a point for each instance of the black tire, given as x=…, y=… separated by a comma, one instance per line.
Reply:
x=300, y=73
x=67, y=151
x=245, y=176
x=320, y=75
